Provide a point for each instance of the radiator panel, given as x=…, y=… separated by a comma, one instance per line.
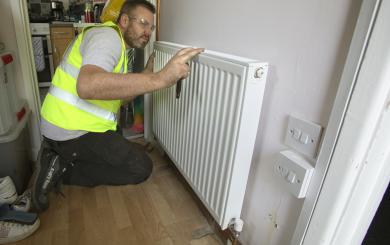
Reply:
x=205, y=131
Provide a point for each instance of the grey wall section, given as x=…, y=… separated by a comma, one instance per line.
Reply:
x=306, y=43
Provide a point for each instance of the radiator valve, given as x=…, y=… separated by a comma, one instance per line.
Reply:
x=259, y=72
x=235, y=226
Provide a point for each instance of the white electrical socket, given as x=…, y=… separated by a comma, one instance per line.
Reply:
x=303, y=136
x=281, y=170
x=296, y=172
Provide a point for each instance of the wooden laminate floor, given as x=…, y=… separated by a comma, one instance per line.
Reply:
x=158, y=211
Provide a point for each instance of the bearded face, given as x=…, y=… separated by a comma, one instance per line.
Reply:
x=139, y=27
x=136, y=39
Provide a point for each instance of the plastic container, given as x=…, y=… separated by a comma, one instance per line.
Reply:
x=10, y=103
x=6, y=115
x=14, y=151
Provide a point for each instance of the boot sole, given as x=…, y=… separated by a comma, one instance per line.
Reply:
x=34, y=227
x=36, y=204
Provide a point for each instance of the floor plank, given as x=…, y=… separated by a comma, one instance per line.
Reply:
x=159, y=211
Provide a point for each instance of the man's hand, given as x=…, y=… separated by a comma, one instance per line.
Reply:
x=177, y=68
x=150, y=64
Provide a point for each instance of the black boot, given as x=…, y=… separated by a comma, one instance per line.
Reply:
x=47, y=177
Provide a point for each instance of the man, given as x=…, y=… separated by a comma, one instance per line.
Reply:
x=81, y=146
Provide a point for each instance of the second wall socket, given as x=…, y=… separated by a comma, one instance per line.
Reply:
x=303, y=136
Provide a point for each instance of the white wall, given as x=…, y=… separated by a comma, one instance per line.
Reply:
x=305, y=43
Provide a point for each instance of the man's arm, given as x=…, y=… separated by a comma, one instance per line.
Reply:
x=148, y=69
x=95, y=83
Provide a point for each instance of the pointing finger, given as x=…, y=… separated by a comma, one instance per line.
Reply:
x=189, y=54
x=184, y=50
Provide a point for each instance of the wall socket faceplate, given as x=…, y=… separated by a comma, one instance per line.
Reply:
x=296, y=172
x=303, y=136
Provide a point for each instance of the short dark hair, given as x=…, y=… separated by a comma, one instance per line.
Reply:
x=129, y=5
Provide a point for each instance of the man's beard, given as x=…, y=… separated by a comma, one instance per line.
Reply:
x=135, y=42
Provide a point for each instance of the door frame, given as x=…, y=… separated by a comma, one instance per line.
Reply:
x=30, y=81
x=340, y=204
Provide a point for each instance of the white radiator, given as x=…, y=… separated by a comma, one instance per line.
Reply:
x=209, y=131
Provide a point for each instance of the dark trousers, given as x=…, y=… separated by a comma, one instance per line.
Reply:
x=102, y=159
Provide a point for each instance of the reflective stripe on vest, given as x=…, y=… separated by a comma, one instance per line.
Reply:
x=74, y=71
x=81, y=104
x=70, y=69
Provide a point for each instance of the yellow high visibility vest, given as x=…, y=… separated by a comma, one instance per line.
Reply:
x=65, y=109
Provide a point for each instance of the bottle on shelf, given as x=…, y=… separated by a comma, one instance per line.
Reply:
x=88, y=12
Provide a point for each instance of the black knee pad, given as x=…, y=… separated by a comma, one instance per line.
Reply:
x=145, y=168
